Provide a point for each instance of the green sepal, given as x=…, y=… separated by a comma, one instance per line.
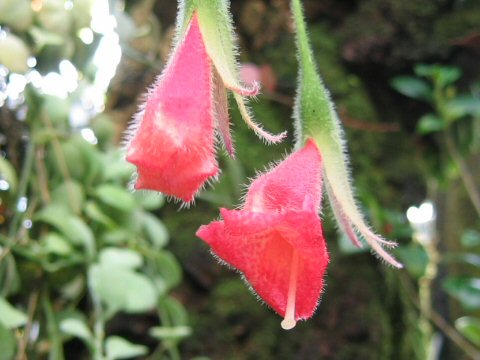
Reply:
x=315, y=117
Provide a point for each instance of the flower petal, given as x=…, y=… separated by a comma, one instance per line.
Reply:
x=261, y=246
x=173, y=139
x=287, y=185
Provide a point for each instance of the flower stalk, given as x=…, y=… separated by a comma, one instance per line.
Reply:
x=316, y=118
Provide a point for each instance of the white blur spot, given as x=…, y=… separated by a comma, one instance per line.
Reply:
x=89, y=135
x=422, y=220
x=31, y=62
x=69, y=74
x=86, y=35
x=54, y=84
x=4, y=185
x=106, y=59
x=34, y=78
x=79, y=116
x=68, y=5
x=22, y=204
x=93, y=98
x=102, y=21
x=34, y=331
x=16, y=85
x=3, y=71
x=423, y=214
x=27, y=224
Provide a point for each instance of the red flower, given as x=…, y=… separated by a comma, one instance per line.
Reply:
x=173, y=146
x=172, y=138
x=276, y=239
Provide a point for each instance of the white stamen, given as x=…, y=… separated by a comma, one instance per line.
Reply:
x=289, y=322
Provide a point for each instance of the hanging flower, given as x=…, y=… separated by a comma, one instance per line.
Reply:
x=316, y=118
x=276, y=239
x=172, y=139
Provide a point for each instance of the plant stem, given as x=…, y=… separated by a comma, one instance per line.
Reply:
x=22, y=191
x=440, y=322
x=98, y=328
x=32, y=308
x=56, y=351
x=465, y=173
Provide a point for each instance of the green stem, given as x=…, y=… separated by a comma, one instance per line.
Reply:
x=438, y=320
x=425, y=291
x=166, y=321
x=22, y=191
x=465, y=173
x=98, y=329
x=56, y=352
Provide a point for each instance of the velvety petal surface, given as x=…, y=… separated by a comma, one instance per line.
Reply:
x=173, y=143
x=288, y=185
x=278, y=223
x=261, y=247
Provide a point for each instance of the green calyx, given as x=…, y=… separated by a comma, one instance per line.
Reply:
x=315, y=115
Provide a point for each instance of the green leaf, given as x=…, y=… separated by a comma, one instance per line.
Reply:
x=57, y=110
x=116, y=197
x=7, y=344
x=170, y=333
x=430, y=123
x=117, y=236
x=155, y=230
x=10, y=317
x=465, y=289
x=172, y=312
x=7, y=173
x=71, y=194
x=462, y=106
x=149, y=200
x=120, y=348
x=56, y=244
x=95, y=213
x=77, y=328
x=116, y=168
x=124, y=258
x=69, y=225
x=166, y=266
x=415, y=259
x=470, y=328
x=470, y=238
x=447, y=75
x=94, y=161
x=122, y=289
x=441, y=75
x=412, y=87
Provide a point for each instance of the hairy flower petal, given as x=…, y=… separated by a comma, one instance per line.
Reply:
x=276, y=240
x=288, y=184
x=173, y=146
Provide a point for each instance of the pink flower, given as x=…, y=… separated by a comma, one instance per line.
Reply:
x=172, y=139
x=276, y=239
x=173, y=147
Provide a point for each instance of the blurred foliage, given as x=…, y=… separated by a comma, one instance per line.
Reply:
x=78, y=250
x=453, y=124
